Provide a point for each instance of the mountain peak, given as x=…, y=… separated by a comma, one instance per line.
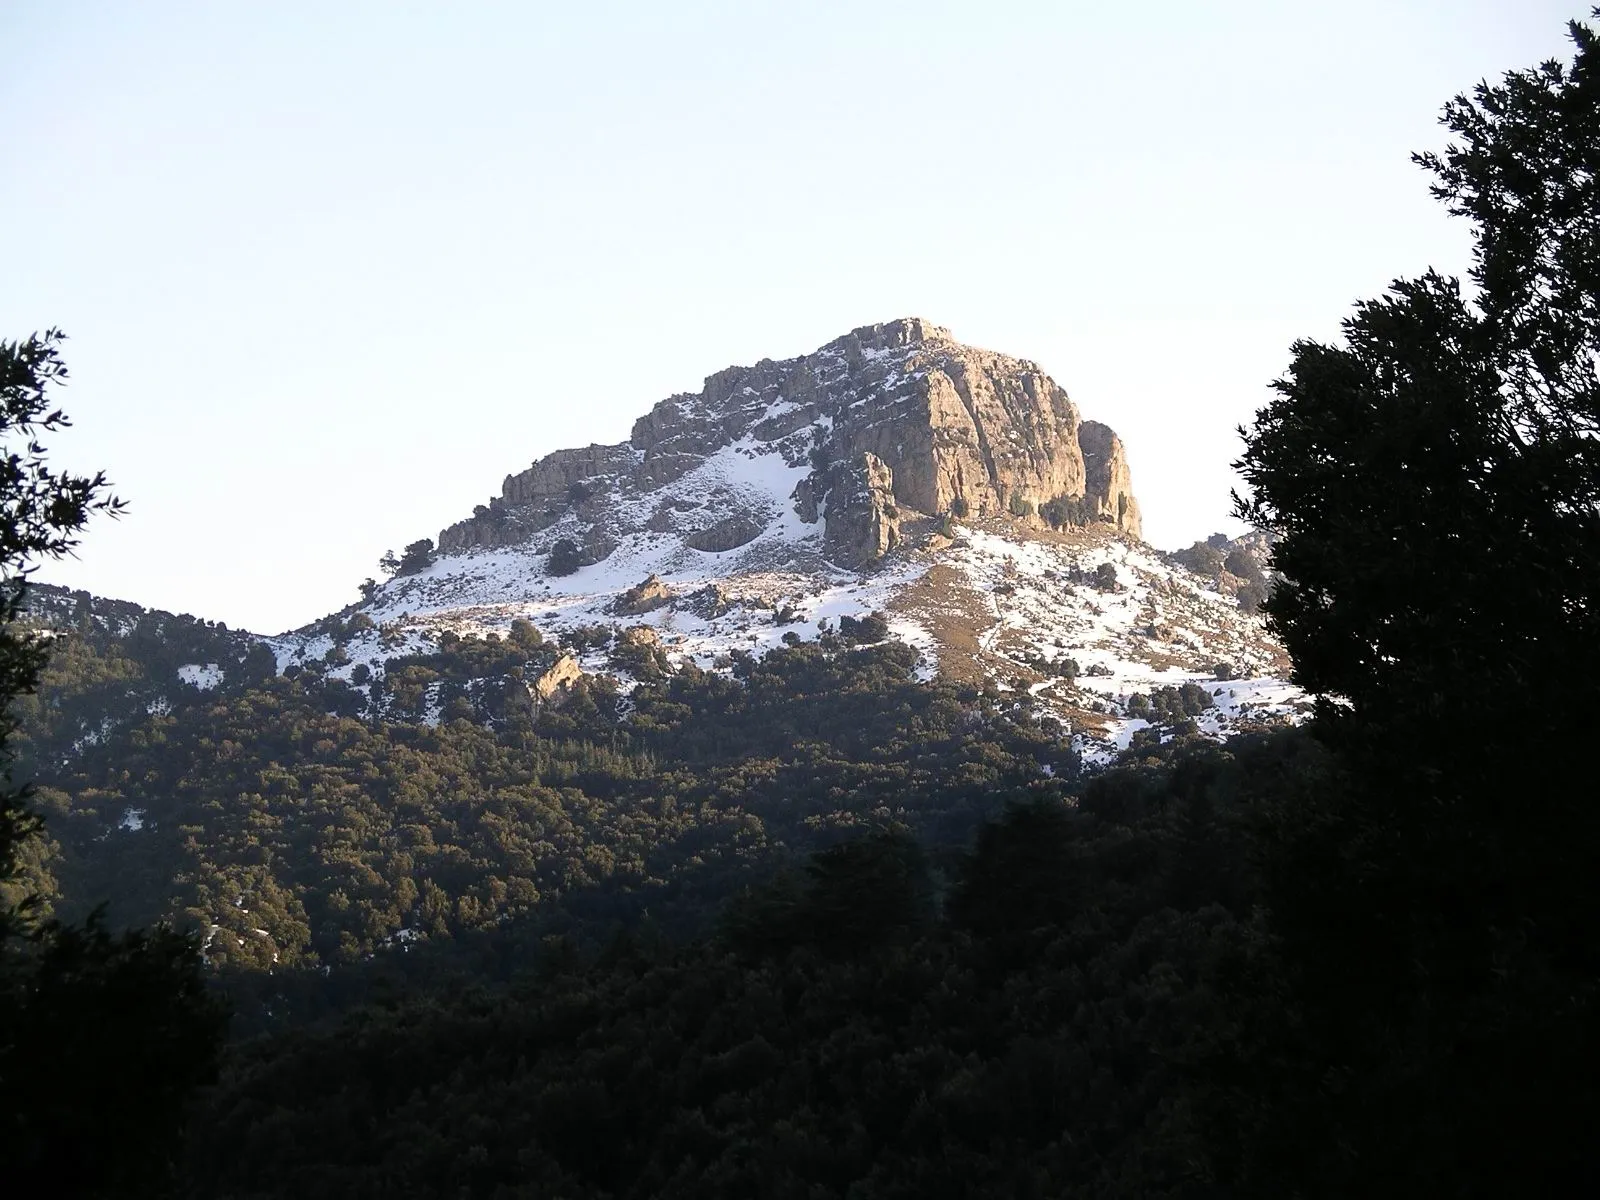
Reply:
x=889, y=424
x=951, y=494
x=893, y=335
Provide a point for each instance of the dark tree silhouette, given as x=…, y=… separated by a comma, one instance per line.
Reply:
x=102, y=1038
x=1434, y=482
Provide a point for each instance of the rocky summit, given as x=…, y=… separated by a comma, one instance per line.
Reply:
x=894, y=483
x=884, y=426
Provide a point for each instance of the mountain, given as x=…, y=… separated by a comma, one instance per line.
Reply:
x=953, y=493
x=895, y=583
x=884, y=426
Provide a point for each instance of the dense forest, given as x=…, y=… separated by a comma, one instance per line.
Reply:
x=299, y=839
x=818, y=929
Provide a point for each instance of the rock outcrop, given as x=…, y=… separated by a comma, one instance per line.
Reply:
x=643, y=597
x=1108, y=485
x=551, y=686
x=863, y=521
x=884, y=424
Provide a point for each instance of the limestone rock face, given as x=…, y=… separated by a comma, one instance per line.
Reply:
x=1109, y=486
x=643, y=597
x=888, y=423
x=730, y=533
x=863, y=519
x=553, y=685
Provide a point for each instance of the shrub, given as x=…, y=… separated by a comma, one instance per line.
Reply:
x=1021, y=506
x=1252, y=595
x=417, y=557
x=870, y=628
x=589, y=637
x=1202, y=558
x=565, y=557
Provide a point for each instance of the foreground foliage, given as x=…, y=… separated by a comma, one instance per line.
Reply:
x=1434, y=485
x=1045, y=1032
x=103, y=1037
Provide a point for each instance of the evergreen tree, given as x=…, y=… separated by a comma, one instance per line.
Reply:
x=102, y=1037
x=1434, y=482
x=416, y=558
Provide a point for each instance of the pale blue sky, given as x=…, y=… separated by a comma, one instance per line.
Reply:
x=332, y=270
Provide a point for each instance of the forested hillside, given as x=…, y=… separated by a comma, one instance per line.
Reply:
x=1043, y=1016
x=298, y=840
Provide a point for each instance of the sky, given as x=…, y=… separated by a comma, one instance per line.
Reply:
x=331, y=271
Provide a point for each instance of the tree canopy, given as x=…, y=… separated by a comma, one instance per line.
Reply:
x=1433, y=482
x=103, y=1037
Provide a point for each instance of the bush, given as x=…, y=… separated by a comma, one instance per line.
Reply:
x=582, y=638
x=1244, y=565
x=1020, y=506
x=1202, y=558
x=565, y=558
x=870, y=628
x=959, y=508
x=1063, y=510
x=1253, y=594
x=417, y=558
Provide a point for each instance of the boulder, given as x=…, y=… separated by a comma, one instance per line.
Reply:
x=553, y=685
x=643, y=597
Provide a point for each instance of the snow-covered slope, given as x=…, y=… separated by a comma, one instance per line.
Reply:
x=1088, y=622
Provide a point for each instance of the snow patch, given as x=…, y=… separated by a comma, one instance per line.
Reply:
x=204, y=676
